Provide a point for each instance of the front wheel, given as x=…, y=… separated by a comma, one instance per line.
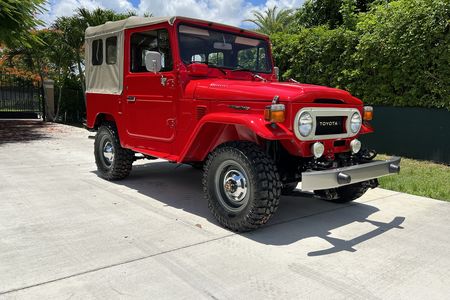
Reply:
x=242, y=186
x=113, y=161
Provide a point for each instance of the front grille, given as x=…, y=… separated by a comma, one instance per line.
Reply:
x=330, y=125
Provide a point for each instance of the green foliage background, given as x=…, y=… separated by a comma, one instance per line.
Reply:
x=396, y=53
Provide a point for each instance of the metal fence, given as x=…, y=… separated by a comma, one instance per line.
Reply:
x=19, y=96
x=72, y=108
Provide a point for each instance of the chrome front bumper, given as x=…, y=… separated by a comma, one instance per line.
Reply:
x=320, y=180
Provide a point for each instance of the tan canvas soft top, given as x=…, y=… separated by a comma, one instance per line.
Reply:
x=131, y=22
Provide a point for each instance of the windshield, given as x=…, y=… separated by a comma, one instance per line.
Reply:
x=223, y=49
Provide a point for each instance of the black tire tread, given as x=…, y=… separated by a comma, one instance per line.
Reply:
x=123, y=158
x=267, y=197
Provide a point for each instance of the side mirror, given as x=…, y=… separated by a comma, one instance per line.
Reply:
x=153, y=61
x=277, y=72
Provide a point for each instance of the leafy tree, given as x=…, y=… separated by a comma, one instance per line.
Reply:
x=47, y=56
x=271, y=20
x=329, y=12
x=397, y=53
x=17, y=18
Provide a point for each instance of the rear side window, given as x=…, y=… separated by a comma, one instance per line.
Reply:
x=111, y=50
x=97, y=52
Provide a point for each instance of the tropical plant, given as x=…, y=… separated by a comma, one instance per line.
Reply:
x=17, y=18
x=271, y=21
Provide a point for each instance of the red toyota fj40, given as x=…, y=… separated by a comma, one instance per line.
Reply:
x=206, y=94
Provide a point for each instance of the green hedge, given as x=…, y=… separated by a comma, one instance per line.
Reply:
x=397, y=54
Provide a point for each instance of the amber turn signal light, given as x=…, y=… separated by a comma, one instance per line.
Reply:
x=274, y=113
x=368, y=113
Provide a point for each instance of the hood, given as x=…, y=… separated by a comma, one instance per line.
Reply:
x=241, y=90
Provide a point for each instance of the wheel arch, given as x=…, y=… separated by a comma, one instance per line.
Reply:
x=102, y=117
x=218, y=128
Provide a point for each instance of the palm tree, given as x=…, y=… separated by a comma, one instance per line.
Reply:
x=17, y=19
x=271, y=20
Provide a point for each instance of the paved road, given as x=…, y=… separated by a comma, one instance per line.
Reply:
x=65, y=233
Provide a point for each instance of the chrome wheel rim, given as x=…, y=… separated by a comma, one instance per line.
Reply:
x=232, y=186
x=108, y=153
x=235, y=185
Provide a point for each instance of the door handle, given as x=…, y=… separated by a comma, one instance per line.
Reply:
x=131, y=98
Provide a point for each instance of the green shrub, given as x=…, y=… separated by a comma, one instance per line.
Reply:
x=398, y=54
x=316, y=55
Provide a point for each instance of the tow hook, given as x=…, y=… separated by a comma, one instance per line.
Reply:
x=367, y=154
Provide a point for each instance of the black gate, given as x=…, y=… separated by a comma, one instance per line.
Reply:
x=20, y=98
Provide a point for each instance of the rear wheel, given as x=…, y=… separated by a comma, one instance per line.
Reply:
x=242, y=186
x=113, y=161
x=343, y=194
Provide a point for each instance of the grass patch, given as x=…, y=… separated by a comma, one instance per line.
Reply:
x=422, y=178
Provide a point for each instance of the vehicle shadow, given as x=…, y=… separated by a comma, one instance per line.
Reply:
x=22, y=131
x=299, y=216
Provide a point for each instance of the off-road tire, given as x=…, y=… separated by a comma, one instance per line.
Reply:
x=264, y=185
x=121, y=164
x=343, y=194
x=288, y=188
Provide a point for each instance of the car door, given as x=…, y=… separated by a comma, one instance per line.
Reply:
x=149, y=97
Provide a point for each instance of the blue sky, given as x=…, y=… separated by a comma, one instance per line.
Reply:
x=224, y=11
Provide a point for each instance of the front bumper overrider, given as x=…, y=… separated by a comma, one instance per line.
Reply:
x=332, y=178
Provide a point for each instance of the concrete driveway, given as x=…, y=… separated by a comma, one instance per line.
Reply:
x=66, y=233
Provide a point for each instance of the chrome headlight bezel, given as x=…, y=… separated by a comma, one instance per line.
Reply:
x=306, y=120
x=326, y=112
x=355, y=122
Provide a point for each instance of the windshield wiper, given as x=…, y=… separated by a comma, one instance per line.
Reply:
x=243, y=70
x=254, y=74
x=218, y=68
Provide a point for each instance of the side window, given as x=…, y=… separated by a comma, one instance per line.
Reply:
x=216, y=59
x=97, y=52
x=200, y=58
x=111, y=50
x=153, y=40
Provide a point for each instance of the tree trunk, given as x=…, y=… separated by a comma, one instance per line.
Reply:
x=44, y=96
x=59, y=101
x=80, y=71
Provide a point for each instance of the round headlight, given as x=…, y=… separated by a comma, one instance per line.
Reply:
x=305, y=124
x=355, y=122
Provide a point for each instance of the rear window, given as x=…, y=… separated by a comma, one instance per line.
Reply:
x=111, y=50
x=97, y=52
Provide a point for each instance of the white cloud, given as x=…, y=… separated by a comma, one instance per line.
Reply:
x=223, y=11
x=59, y=8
